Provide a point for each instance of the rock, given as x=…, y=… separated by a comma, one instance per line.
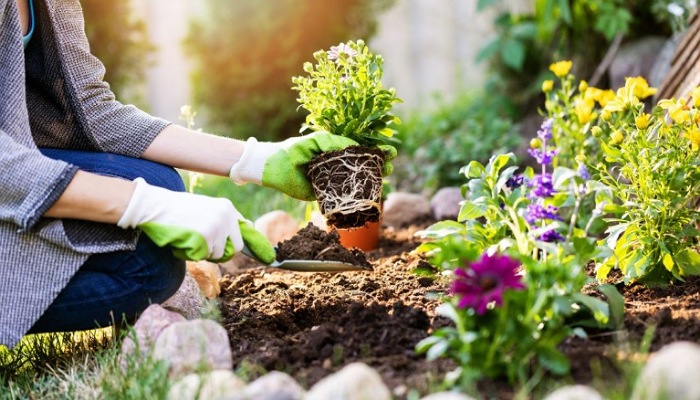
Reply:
x=273, y=386
x=277, y=226
x=447, y=396
x=207, y=386
x=207, y=275
x=403, y=208
x=191, y=346
x=356, y=381
x=188, y=300
x=635, y=58
x=574, y=392
x=445, y=203
x=145, y=332
x=671, y=373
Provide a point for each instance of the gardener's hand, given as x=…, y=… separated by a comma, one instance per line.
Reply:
x=197, y=227
x=282, y=165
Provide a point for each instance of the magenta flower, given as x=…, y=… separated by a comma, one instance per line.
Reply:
x=484, y=281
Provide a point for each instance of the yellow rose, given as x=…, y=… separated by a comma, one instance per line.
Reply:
x=561, y=68
x=642, y=121
x=547, y=85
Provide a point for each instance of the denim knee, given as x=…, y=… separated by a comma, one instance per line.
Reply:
x=120, y=166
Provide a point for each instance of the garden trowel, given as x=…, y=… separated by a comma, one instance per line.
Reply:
x=308, y=265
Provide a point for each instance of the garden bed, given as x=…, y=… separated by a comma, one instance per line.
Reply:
x=312, y=324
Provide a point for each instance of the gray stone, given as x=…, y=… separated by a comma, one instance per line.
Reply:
x=212, y=385
x=447, y=396
x=151, y=323
x=671, y=373
x=574, y=392
x=445, y=203
x=402, y=208
x=636, y=58
x=188, y=300
x=192, y=346
x=273, y=386
x=355, y=381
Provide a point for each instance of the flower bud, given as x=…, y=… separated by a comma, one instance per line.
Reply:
x=596, y=131
x=547, y=85
x=535, y=143
x=583, y=86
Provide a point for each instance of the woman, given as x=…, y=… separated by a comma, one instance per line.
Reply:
x=82, y=175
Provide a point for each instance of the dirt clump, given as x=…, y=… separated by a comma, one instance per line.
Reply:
x=312, y=243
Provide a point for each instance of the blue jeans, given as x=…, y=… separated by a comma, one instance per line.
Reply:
x=115, y=287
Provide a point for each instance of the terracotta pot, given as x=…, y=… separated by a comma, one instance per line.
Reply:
x=364, y=238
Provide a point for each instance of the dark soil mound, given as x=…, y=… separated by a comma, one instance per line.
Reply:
x=311, y=243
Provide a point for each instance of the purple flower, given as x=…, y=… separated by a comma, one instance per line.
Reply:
x=542, y=186
x=543, y=156
x=340, y=51
x=484, y=281
x=536, y=212
x=545, y=131
x=582, y=171
x=514, y=182
x=551, y=236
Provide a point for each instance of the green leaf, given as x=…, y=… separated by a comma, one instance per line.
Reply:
x=497, y=162
x=442, y=229
x=689, y=262
x=437, y=350
x=427, y=343
x=482, y=4
x=473, y=170
x=565, y=11
x=553, y=360
x=616, y=305
x=489, y=50
x=472, y=209
x=513, y=54
x=561, y=175
x=447, y=310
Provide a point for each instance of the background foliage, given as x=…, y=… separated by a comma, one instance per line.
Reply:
x=120, y=41
x=245, y=54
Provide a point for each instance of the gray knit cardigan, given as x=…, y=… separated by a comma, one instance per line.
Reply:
x=52, y=95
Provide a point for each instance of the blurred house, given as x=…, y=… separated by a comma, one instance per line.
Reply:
x=429, y=49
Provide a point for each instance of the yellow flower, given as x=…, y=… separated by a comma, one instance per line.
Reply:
x=605, y=115
x=640, y=87
x=547, y=85
x=582, y=86
x=601, y=96
x=694, y=136
x=584, y=110
x=642, y=121
x=624, y=99
x=561, y=68
x=677, y=110
x=695, y=94
x=616, y=137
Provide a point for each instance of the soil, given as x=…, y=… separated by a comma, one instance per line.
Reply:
x=311, y=243
x=312, y=324
x=336, y=177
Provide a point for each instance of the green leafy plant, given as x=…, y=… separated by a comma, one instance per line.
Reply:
x=435, y=143
x=505, y=327
x=652, y=168
x=344, y=94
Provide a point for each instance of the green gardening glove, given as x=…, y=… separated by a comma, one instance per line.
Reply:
x=257, y=243
x=282, y=165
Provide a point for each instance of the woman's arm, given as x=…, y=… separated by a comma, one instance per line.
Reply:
x=93, y=197
x=183, y=148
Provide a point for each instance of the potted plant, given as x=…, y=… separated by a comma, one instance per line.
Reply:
x=344, y=95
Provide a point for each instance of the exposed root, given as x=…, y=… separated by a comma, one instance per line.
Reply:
x=349, y=183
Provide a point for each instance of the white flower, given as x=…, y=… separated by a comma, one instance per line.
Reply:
x=336, y=52
x=675, y=9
